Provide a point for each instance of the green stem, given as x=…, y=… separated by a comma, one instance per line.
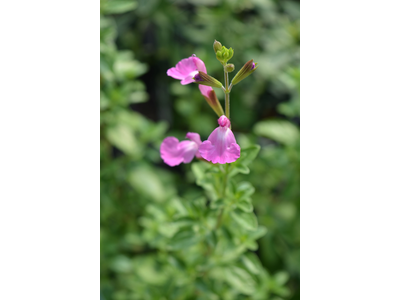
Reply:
x=221, y=212
x=227, y=104
x=227, y=114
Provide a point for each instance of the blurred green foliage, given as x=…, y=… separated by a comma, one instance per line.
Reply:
x=142, y=198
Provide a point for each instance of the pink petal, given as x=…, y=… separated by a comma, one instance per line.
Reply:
x=211, y=153
x=174, y=152
x=169, y=151
x=189, y=79
x=221, y=146
x=200, y=64
x=188, y=150
x=195, y=137
x=204, y=89
x=182, y=68
x=187, y=65
x=186, y=69
x=174, y=73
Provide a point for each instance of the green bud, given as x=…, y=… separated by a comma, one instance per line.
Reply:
x=229, y=68
x=245, y=71
x=205, y=79
x=220, y=56
x=230, y=53
x=217, y=46
x=224, y=54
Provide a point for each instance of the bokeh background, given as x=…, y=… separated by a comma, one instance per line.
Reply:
x=141, y=105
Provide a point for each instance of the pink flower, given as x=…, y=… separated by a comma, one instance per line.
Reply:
x=174, y=152
x=220, y=146
x=186, y=69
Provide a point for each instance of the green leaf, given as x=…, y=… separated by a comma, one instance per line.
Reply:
x=168, y=229
x=118, y=6
x=122, y=137
x=276, y=285
x=261, y=231
x=282, y=131
x=281, y=277
x=199, y=169
x=125, y=67
x=238, y=168
x=204, y=178
x=251, y=245
x=244, y=190
x=252, y=263
x=247, y=156
x=245, y=205
x=121, y=264
x=240, y=280
x=217, y=204
x=146, y=268
x=211, y=238
x=184, y=239
x=243, y=169
x=154, y=132
x=246, y=220
x=146, y=180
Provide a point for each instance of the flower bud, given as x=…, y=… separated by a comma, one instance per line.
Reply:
x=245, y=71
x=230, y=54
x=224, y=54
x=229, y=68
x=213, y=101
x=217, y=46
x=205, y=79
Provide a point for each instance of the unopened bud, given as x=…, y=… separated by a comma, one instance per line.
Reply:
x=245, y=71
x=229, y=68
x=224, y=54
x=205, y=79
x=213, y=101
x=217, y=46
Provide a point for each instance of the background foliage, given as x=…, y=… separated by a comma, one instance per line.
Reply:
x=140, y=105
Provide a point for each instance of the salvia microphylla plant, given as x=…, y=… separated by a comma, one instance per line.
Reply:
x=204, y=241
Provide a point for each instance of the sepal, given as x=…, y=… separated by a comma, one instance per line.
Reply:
x=205, y=79
x=245, y=71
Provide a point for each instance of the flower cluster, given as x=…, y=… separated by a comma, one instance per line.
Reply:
x=221, y=146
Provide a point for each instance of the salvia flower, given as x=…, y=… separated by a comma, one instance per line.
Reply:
x=186, y=69
x=174, y=152
x=221, y=146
